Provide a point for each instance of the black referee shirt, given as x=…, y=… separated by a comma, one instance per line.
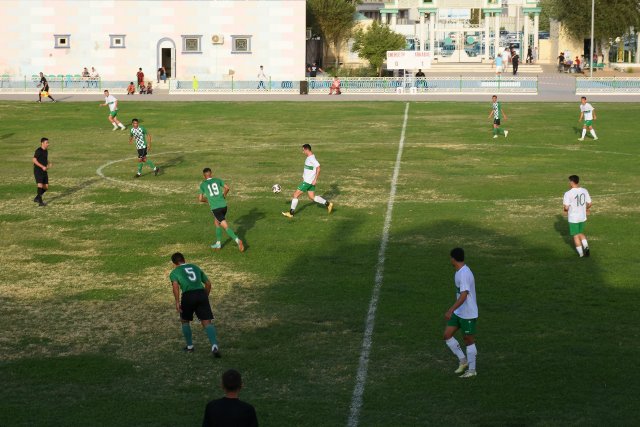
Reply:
x=228, y=412
x=41, y=156
x=44, y=83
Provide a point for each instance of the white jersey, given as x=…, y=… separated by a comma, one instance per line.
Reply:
x=309, y=173
x=577, y=200
x=587, y=109
x=465, y=282
x=111, y=102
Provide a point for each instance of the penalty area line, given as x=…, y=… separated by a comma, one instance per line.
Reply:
x=367, y=341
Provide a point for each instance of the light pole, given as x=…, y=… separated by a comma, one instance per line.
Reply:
x=593, y=8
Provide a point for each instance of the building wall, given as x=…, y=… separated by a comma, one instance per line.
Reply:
x=277, y=27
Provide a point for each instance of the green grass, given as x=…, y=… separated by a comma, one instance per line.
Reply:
x=90, y=335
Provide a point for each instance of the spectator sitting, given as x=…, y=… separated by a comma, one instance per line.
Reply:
x=230, y=410
x=85, y=77
x=335, y=87
x=143, y=88
x=149, y=88
x=420, y=73
x=131, y=89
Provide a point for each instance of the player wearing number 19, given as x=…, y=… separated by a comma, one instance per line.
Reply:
x=576, y=203
x=214, y=191
x=189, y=279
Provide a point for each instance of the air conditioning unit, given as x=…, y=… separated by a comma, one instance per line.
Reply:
x=217, y=39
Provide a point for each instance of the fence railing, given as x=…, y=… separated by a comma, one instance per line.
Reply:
x=235, y=86
x=59, y=84
x=607, y=85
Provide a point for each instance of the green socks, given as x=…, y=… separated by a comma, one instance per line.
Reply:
x=232, y=234
x=150, y=164
x=218, y=234
x=139, y=168
x=188, y=336
x=211, y=333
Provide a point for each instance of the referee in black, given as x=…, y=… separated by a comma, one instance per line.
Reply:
x=40, y=166
x=45, y=88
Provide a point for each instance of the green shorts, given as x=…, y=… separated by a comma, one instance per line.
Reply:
x=576, y=228
x=468, y=326
x=305, y=186
x=588, y=123
x=113, y=113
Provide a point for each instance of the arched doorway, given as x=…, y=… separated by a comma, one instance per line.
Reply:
x=167, y=56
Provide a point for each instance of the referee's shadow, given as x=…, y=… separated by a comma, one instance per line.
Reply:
x=72, y=190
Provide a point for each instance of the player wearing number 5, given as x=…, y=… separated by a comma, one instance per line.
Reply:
x=189, y=279
x=214, y=191
x=577, y=204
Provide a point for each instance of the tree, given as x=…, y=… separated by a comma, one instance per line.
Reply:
x=374, y=43
x=612, y=18
x=334, y=19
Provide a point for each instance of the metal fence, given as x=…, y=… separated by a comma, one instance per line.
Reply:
x=59, y=84
x=607, y=85
x=235, y=86
x=451, y=85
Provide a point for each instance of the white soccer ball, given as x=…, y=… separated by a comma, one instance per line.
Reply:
x=276, y=188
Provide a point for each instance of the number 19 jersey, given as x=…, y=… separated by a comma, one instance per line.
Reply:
x=577, y=200
x=213, y=190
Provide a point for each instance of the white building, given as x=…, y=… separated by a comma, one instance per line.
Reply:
x=209, y=39
x=460, y=30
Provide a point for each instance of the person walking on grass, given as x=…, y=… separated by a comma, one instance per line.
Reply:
x=195, y=287
x=310, y=176
x=463, y=314
x=214, y=191
x=230, y=410
x=588, y=113
x=41, y=166
x=576, y=205
x=112, y=102
x=143, y=145
x=497, y=113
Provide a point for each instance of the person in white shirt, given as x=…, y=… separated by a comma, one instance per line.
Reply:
x=261, y=78
x=310, y=176
x=507, y=58
x=576, y=205
x=94, y=76
x=112, y=102
x=463, y=314
x=589, y=114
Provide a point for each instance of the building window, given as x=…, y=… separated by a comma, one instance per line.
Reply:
x=192, y=44
x=63, y=41
x=240, y=44
x=116, y=41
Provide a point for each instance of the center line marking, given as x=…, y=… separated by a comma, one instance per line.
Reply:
x=361, y=376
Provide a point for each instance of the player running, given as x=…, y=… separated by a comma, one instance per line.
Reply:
x=463, y=314
x=214, y=191
x=45, y=89
x=143, y=144
x=310, y=176
x=497, y=113
x=576, y=205
x=188, y=278
x=589, y=114
x=112, y=102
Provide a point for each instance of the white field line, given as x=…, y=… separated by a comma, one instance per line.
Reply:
x=361, y=376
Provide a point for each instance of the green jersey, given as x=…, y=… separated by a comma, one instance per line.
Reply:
x=497, y=110
x=189, y=277
x=213, y=190
x=140, y=135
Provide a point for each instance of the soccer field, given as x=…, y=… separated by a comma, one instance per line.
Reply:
x=90, y=335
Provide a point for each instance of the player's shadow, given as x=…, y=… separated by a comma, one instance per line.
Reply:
x=334, y=191
x=562, y=227
x=7, y=135
x=72, y=190
x=169, y=163
x=247, y=221
x=577, y=130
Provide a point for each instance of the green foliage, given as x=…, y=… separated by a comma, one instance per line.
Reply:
x=352, y=72
x=334, y=19
x=612, y=18
x=374, y=43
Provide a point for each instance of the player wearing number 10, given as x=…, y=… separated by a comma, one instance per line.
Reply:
x=214, y=191
x=577, y=203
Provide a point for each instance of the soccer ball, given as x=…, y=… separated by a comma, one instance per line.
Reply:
x=276, y=188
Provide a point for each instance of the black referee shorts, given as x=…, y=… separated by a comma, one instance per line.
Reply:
x=42, y=177
x=142, y=153
x=220, y=214
x=195, y=302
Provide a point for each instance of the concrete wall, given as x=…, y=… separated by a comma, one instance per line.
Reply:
x=277, y=27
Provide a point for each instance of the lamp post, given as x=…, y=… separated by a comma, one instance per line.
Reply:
x=593, y=8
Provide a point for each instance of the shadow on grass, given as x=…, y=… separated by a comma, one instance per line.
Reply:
x=7, y=135
x=562, y=227
x=169, y=163
x=72, y=190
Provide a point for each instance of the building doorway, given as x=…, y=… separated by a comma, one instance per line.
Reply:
x=167, y=56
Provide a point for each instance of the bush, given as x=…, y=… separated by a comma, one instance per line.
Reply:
x=352, y=72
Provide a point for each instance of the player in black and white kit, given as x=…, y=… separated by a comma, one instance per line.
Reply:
x=45, y=88
x=40, y=166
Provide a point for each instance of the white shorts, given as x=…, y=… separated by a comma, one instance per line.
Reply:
x=498, y=68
